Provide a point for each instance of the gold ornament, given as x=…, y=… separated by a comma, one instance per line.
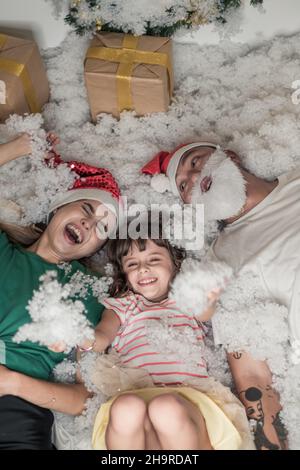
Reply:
x=196, y=19
x=99, y=24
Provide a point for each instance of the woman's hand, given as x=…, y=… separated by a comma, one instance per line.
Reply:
x=21, y=145
x=7, y=381
x=15, y=148
x=58, y=347
x=52, y=139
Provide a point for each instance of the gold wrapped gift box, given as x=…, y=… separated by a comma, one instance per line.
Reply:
x=128, y=72
x=24, y=85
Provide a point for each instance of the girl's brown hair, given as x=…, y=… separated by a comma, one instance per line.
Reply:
x=117, y=249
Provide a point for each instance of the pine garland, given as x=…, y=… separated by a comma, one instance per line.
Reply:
x=86, y=15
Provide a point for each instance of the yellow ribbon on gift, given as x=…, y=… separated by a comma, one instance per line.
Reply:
x=128, y=57
x=2, y=40
x=19, y=70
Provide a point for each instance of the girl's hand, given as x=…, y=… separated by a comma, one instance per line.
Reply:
x=86, y=345
x=212, y=298
x=58, y=347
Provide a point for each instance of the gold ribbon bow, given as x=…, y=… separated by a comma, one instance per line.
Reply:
x=19, y=70
x=2, y=40
x=128, y=57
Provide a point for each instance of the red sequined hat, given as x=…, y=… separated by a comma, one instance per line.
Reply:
x=91, y=183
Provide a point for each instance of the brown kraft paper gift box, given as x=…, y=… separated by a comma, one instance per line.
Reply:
x=24, y=85
x=128, y=72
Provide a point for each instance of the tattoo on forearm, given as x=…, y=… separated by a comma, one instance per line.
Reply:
x=237, y=355
x=252, y=398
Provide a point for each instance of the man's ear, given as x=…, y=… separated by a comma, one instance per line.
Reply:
x=234, y=156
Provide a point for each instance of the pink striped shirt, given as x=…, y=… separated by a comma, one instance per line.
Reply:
x=138, y=340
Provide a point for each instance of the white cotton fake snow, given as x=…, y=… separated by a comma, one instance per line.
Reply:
x=55, y=317
x=232, y=94
x=191, y=287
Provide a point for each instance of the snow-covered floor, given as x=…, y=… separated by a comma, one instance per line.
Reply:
x=233, y=94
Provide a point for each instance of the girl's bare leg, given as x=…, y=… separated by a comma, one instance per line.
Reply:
x=125, y=430
x=129, y=426
x=178, y=423
x=152, y=441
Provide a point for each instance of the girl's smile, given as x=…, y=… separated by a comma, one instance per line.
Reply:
x=147, y=281
x=150, y=271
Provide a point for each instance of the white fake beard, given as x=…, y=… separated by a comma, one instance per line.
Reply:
x=227, y=194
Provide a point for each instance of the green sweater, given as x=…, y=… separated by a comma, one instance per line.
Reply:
x=20, y=271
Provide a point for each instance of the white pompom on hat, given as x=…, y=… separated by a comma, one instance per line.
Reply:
x=163, y=167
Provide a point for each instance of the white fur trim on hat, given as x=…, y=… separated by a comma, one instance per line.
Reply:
x=175, y=160
x=74, y=195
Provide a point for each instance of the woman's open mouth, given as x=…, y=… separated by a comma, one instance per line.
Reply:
x=73, y=234
x=147, y=281
x=205, y=184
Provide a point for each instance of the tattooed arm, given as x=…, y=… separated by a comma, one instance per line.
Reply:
x=253, y=381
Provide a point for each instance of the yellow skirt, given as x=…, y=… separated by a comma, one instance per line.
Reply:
x=222, y=433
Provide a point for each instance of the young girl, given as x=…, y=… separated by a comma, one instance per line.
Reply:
x=171, y=415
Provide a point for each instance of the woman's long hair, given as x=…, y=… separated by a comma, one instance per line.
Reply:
x=28, y=235
x=24, y=236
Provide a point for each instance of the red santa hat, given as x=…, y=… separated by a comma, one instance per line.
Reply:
x=163, y=167
x=93, y=183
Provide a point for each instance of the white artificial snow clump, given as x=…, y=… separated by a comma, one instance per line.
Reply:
x=32, y=125
x=191, y=287
x=55, y=317
x=28, y=184
x=230, y=93
x=247, y=321
x=134, y=16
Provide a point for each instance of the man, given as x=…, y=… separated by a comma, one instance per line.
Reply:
x=260, y=232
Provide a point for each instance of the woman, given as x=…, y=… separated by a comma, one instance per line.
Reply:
x=80, y=222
